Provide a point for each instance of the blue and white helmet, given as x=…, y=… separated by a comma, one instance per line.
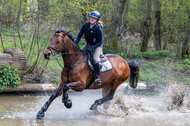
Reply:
x=95, y=14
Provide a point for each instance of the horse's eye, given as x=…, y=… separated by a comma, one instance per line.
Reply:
x=57, y=42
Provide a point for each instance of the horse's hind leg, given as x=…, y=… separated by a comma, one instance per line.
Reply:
x=105, y=92
x=47, y=104
x=109, y=96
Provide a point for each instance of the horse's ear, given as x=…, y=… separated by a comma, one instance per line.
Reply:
x=66, y=33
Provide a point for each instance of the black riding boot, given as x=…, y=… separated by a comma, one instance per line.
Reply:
x=97, y=72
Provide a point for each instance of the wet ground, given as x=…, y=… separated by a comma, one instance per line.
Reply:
x=126, y=109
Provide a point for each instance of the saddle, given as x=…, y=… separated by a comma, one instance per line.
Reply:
x=105, y=63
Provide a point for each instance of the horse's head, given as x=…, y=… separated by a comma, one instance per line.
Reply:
x=56, y=44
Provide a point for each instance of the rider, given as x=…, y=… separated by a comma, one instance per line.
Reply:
x=93, y=34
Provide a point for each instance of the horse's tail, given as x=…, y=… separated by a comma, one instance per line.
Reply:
x=134, y=68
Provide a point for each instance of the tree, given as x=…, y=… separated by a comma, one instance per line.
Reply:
x=185, y=46
x=121, y=15
x=1, y=38
x=157, y=31
x=18, y=18
x=147, y=27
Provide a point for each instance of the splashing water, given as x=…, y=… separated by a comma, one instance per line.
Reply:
x=176, y=98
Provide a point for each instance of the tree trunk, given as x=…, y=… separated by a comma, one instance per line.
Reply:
x=157, y=31
x=185, y=46
x=120, y=19
x=18, y=18
x=147, y=28
x=1, y=40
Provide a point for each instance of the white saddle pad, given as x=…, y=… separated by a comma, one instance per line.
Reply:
x=106, y=66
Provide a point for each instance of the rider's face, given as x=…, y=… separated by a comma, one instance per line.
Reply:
x=93, y=20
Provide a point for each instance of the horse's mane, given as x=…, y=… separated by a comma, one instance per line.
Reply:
x=72, y=38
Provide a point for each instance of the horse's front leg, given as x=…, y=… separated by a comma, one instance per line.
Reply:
x=75, y=86
x=47, y=104
x=67, y=102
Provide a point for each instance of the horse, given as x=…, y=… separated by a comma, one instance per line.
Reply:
x=76, y=74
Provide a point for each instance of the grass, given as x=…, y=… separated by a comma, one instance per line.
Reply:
x=164, y=71
x=153, y=73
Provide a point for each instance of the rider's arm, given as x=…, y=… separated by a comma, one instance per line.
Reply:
x=99, y=39
x=80, y=34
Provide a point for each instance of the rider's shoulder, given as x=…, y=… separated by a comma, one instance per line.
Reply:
x=85, y=25
x=98, y=27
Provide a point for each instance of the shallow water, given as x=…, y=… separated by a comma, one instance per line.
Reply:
x=124, y=110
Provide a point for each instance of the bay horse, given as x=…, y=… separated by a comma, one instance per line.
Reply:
x=76, y=74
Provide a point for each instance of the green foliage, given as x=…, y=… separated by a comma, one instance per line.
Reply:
x=153, y=55
x=107, y=50
x=186, y=62
x=123, y=55
x=185, y=65
x=185, y=56
x=57, y=80
x=114, y=44
x=9, y=76
x=81, y=44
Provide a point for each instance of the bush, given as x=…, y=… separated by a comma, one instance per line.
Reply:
x=107, y=50
x=123, y=55
x=153, y=55
x=9, y=76
x=186, y=61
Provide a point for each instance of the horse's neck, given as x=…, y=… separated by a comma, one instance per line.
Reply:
x=71, y=54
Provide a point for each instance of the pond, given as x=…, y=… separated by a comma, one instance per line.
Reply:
x=126, y=109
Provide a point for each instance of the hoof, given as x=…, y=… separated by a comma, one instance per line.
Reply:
x=68, y=103
x=93, y=107
x=40, y=115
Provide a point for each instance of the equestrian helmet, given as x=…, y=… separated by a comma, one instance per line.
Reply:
x=95, y=14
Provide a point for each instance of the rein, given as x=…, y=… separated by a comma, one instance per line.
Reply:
x=75, y=63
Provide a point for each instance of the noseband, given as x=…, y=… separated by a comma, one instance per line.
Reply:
x=50, y=47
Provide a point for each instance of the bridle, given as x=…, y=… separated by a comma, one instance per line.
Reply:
x=50, y=47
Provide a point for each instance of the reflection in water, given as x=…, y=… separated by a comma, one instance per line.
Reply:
x=126, y=109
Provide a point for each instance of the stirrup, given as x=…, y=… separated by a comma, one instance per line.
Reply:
x=98, y=80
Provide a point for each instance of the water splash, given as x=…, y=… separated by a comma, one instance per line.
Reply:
x=176, y=97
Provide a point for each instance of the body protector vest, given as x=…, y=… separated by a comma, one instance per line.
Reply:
x=91, y=34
